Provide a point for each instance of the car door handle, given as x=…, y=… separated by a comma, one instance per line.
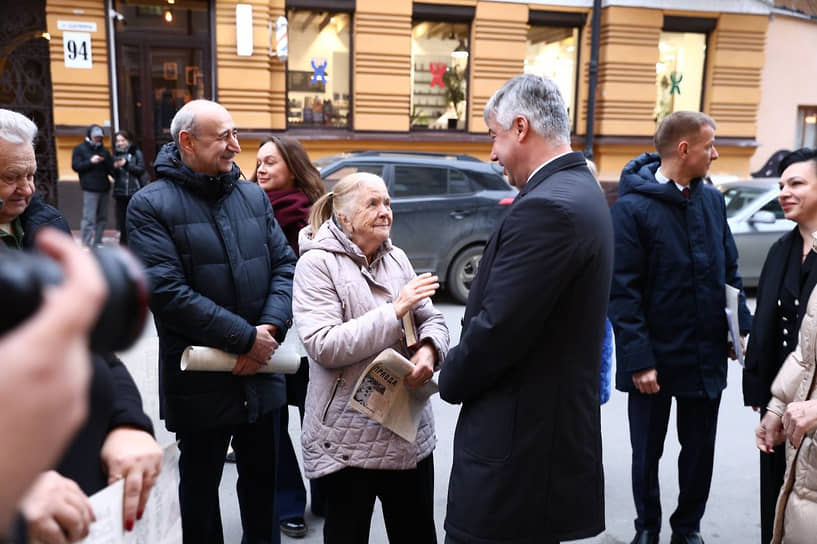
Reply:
x=460, y=214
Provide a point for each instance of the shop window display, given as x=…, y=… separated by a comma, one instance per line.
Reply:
x=679, y=72
x=806, y=127
x=439, y=75
x=552, y=51
x=318, y=72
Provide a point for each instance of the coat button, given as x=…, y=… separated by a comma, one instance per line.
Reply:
x=796, y=302
x=245, y=404
x=785, y=343
x=327, y=445
x=779, y=302
x=344, y=457
x=784, y=318
x=785, y=331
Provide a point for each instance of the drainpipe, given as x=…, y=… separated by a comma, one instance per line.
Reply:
x=594, y=75
x=111, y=14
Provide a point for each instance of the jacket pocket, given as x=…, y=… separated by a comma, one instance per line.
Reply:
x=486, y=426
x=335, y=387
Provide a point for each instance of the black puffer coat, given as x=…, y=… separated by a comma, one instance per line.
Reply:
x=218, y=265
x=127, y=179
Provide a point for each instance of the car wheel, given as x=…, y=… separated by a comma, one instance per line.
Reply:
x=462, y=272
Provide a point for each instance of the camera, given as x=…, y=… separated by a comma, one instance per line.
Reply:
x=24, y=276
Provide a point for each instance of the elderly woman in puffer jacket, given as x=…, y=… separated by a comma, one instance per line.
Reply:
x=350, y=293
x=791, y=416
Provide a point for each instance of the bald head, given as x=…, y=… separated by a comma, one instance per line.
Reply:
x=206, y=137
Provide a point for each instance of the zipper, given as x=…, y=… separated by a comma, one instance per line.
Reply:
x=338, y=383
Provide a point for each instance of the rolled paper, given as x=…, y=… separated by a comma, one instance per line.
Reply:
x=207, y=359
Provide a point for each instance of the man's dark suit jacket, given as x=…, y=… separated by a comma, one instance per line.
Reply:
x=527, y=449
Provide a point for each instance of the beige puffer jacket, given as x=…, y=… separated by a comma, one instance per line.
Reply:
x=796, y=516
x=343, y=313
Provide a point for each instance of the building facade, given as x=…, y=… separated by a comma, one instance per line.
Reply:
x=397, y=74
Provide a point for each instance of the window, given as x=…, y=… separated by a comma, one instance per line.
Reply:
x=679, y=72
x=439, y=74
x=318, y=69
x=331, y=179
x=806, y=127
x=458, y=183
x=419, y=181
x=553, y=52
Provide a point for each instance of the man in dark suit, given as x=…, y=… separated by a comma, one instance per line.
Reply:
x=674, y=255
x=527, y=449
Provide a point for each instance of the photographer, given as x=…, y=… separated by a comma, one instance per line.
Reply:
x=116, y=439
x=93, y=163
x=44, y=389
x=129, y=176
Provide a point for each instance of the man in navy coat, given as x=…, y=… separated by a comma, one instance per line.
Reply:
x=527, y=450
x=674, y=255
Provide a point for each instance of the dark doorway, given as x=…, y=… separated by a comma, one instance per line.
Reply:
x=162, y=62
x=25, y=82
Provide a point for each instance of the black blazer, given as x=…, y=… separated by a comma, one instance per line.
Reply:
x=763, y=359
x=527, y=449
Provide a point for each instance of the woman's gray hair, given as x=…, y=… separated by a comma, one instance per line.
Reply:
x=340, y=200
x=535, y=98
x=16, y=128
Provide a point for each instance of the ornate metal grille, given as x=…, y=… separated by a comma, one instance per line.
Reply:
x=25, y=82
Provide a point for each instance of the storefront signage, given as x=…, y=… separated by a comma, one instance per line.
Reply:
x=77, y=26
x=243, y=30
x=77, y=49
x=319, y=74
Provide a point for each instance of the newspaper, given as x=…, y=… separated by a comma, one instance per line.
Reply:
x=285, y=360
x=381, y=395
x=161, y=522
x=732, y=297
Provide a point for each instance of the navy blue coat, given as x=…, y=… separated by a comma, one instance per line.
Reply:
x=673, y=258
x=218, y=265
x=527, y=449
x=92, y=176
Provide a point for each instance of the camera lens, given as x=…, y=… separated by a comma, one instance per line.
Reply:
x=24, y=276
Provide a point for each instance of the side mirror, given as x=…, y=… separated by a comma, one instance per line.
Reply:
x=764, y=217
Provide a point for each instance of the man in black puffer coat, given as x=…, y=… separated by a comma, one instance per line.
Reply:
x=220, y=270
x=93, y=163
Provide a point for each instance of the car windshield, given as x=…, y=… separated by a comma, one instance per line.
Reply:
x=737, y=198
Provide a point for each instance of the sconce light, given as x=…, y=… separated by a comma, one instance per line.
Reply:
x=169, y=15
x=461, y=52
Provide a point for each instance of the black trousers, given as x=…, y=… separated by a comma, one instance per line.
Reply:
x=121, y=210
x=697, y=425
x=200, y=467
x=772, y=472
x=407, y=497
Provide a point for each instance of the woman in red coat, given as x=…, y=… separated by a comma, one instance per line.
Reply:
x=284, y=171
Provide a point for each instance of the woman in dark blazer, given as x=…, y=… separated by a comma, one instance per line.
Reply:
x=788, y=277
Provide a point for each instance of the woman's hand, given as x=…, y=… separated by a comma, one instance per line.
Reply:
x=423, y=361
x=134, y=455
x=769, y=433
x=800, y=418
x=423, y=286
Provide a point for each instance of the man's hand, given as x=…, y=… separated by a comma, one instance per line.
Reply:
x=56, y=510
x=134, y=455
x=246, y=366
x=769, y=433
x=118, y=163
x=97, y=159
x=646, y=381
x=265, y=343
x=799, y=419
x=423, y=361
x=732, y=353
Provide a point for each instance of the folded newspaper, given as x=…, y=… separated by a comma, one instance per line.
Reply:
x=381, y=394
x=284, y=360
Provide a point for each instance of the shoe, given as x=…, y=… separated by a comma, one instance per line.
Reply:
x=645, y=537
x=689, y=538
x=294, y=527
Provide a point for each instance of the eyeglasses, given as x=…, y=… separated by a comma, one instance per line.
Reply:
x=223, y=137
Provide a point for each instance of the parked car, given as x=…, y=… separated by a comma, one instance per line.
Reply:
x=757, y=221
x=445, y=207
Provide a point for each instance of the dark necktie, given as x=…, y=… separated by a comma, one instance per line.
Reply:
x=685, y=192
